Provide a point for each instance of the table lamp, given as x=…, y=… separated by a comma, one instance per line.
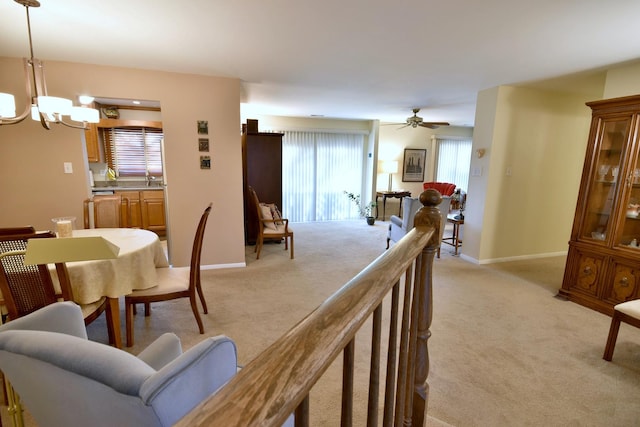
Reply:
x=69, y=249
x=390, y=167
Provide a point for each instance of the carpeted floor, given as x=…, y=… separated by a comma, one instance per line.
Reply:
x=504, y=350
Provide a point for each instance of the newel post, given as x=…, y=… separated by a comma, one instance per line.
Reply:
x=429, y=215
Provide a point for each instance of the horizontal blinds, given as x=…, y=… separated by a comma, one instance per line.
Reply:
x=132, y=151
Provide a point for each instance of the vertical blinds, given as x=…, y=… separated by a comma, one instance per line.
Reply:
x=133, y=151
x=454, y=158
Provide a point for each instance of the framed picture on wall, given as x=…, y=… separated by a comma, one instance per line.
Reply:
x=413, y=165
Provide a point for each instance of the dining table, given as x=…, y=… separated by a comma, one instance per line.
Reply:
x=140, y=253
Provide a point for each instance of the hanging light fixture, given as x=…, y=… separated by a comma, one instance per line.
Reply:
x=44, y=108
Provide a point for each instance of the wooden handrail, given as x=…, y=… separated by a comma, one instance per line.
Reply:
x=277, y=382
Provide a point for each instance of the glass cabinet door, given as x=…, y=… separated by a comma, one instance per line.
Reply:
x=628, y=234
x=607, y=178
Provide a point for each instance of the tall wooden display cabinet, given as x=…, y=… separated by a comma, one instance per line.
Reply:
x=603, y=264
x=262, y=170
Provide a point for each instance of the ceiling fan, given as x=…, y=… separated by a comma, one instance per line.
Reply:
x=415, y=121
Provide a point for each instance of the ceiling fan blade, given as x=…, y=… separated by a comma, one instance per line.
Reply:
x=402, y=127
x=433, y=125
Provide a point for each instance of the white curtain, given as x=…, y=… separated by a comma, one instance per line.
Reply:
x=317, y=167
x=454, y=160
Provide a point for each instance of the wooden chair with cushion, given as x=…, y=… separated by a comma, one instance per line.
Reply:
x=627, y=312
x=270, y=226
x=173, y=283
x=109, y=211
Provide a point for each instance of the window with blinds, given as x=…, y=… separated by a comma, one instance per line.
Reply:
x=133, y=150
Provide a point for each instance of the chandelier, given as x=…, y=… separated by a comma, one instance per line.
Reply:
x=44, y=108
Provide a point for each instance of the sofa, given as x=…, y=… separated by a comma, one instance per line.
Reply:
x=444, y=188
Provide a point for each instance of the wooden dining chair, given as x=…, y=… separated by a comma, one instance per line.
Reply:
x=109, y=211
x=173, y=283
x=269, y=227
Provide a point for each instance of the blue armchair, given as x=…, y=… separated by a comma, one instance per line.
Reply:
x=65, y=379
x=398, y=227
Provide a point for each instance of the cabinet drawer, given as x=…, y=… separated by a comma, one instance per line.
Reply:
x=622, y=283
x=589, y=272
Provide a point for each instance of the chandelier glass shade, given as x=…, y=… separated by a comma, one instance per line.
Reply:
x=42, y=107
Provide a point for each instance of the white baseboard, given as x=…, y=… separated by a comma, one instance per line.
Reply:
x=219, y=266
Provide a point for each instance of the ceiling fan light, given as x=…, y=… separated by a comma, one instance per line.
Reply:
x=7, y=105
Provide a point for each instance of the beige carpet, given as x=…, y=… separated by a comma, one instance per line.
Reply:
x=504, y=351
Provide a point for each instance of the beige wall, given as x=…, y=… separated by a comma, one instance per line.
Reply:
x=523, y=203
x=622, y=81
x=35, y=189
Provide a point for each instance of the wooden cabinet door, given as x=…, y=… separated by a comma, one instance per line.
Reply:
x=91, y=140
x=135, y=214
x=153, y=214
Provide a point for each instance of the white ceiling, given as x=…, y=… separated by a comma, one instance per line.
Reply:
x=359, y=59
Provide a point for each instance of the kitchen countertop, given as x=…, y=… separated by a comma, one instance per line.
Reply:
x=127, y=188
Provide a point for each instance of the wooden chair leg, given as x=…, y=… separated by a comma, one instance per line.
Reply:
x=194, y=308
x=147, y=309
x=613, y=336
x=258, y=247
x=128, y=309
x=109, y=317
x=291, y=247
x=201, y=296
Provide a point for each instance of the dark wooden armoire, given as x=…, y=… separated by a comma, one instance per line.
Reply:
x=262, y=170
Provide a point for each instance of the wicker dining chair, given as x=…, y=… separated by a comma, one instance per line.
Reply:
x=26, y=288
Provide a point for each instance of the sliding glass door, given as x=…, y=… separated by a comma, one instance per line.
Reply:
x=317, y=167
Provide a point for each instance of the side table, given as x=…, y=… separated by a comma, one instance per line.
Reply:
x=454, y=240
x=390, y=194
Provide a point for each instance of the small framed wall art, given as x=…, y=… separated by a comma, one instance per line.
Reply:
x=203, y=127
x=205, y=162
x=413, y=165
x=203, y=144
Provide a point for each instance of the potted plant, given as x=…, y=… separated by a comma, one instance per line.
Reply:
x=364, y=211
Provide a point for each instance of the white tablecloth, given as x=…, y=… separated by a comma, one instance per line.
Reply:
x=135, y=268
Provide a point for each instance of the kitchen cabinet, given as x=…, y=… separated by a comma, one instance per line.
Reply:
x=152, y=210
x=146, y=210
x=603, y=263
x=262, y=170
x=91, y=141
x=135, y=213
